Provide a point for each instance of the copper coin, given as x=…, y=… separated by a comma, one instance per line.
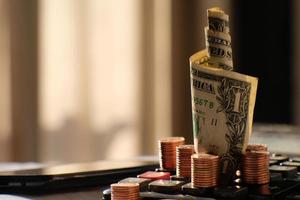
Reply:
x=255, y=168
x=167, y=151
x=183, y=160
x=204, y=171
x=120, y=191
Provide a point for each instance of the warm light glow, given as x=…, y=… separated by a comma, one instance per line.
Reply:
x=89, y=78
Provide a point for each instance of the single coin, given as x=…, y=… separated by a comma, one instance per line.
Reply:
x=155, y=175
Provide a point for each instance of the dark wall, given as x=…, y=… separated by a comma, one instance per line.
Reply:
x=262, y=48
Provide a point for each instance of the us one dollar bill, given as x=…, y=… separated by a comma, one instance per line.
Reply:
x=222, y=109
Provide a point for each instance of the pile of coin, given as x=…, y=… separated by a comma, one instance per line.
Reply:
x=167, y=152
x=205, y=170
x=121, y=191
x=255, y=168
x=183, y=160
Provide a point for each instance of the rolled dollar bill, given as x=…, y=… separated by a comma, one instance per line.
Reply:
x=222, y=100
x=219, y=49
x=222, y=110
x=218, y=20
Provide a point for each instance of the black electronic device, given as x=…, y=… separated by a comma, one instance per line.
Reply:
x=70, y=176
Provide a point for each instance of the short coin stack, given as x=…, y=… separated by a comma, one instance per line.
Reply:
x=167, y=152
x=183, y=160
x=128, y=191
x=256, y=165
x=205, y=170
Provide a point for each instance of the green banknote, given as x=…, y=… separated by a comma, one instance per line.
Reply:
x=222, y=108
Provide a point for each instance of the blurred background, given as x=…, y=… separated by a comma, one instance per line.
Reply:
x=84, y=80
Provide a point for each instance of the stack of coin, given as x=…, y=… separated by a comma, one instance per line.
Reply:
x=256, y=167
x=205, y=169
x=183, y=160
x=121, y=191
x=257, y=147
x=167, y=152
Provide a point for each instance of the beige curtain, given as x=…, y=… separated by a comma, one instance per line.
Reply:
x=106, y=78
x=99, y=96
x=5, y=122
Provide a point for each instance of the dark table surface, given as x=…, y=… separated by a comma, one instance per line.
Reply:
x=82, y=194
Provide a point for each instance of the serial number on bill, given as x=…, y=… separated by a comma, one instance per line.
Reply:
x=203, y=102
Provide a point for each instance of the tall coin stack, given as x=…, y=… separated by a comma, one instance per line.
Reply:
x=121, y=191
x=218, y=40
x=183, y=160
x=205, y=168
x=167, y=152
x=255, y=168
